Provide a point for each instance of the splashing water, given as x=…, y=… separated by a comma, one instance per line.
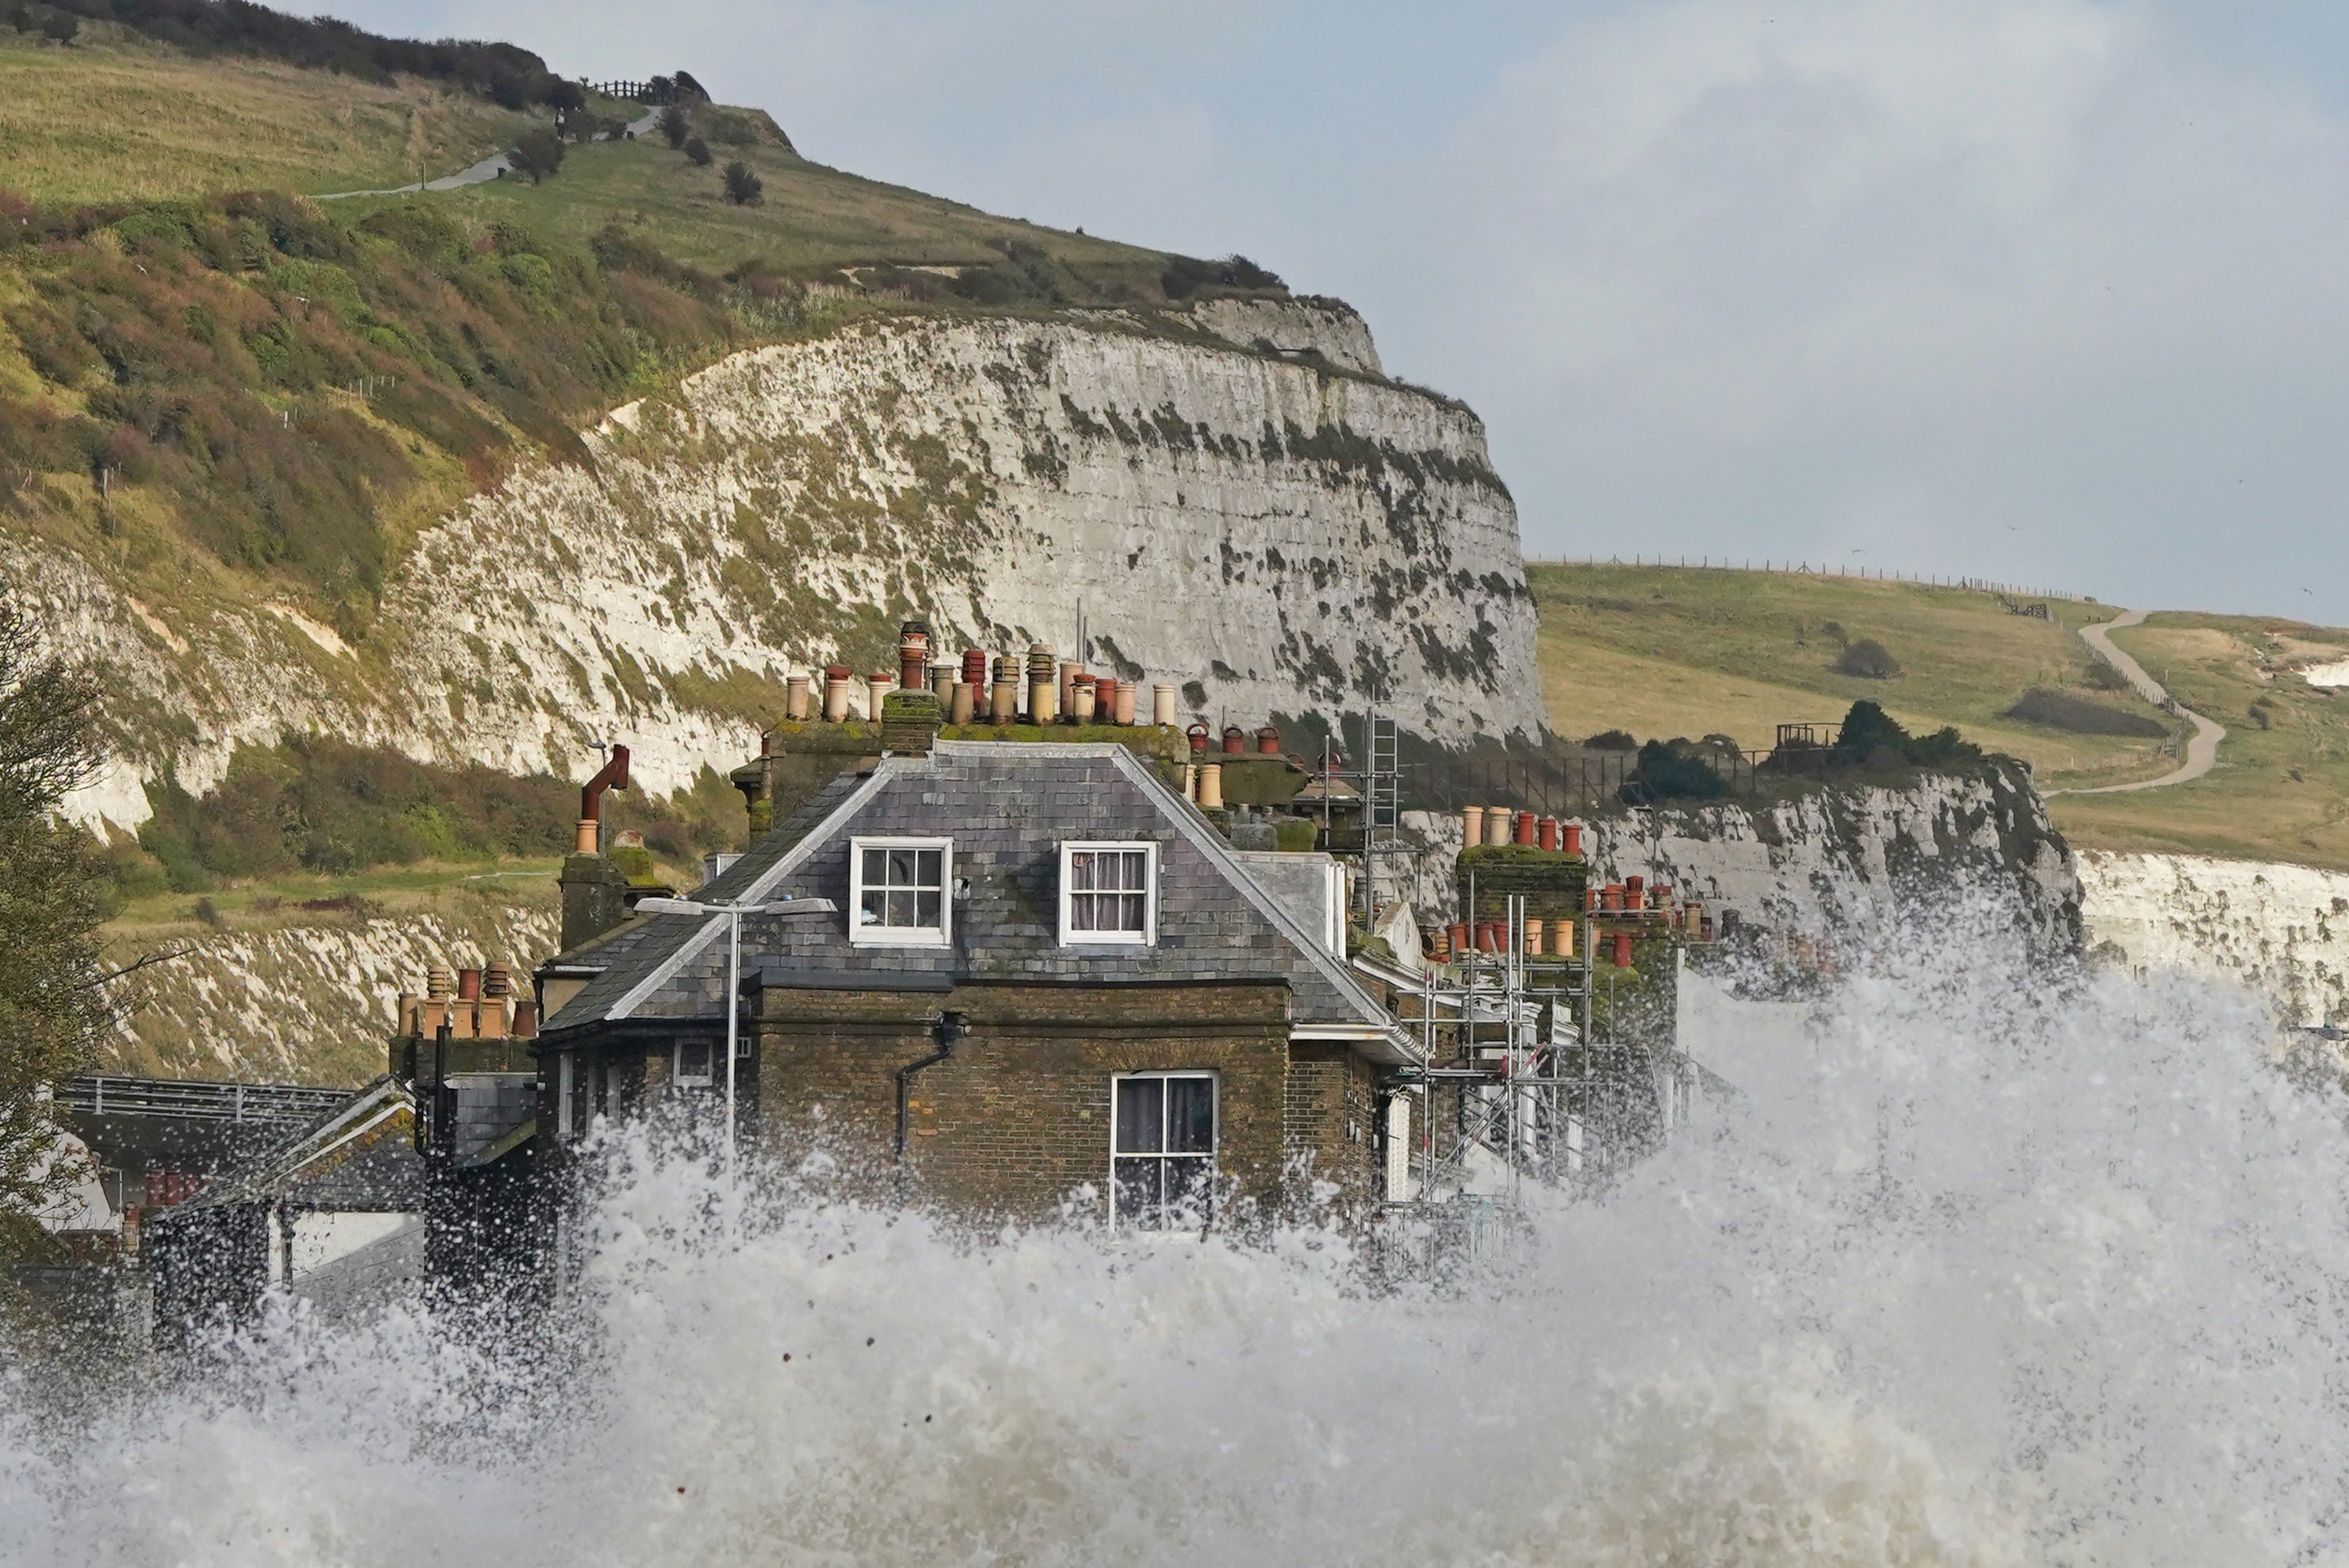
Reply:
x=1973, y=1274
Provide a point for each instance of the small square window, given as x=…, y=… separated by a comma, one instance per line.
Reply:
x=1108, y=893
x=898, y=892
x=694, y=1063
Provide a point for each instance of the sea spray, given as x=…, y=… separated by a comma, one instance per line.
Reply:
x=1975, y=1270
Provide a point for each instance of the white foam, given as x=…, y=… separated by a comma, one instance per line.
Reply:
x=1976, y=1273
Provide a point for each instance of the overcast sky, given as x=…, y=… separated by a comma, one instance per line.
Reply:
x=2047, y=290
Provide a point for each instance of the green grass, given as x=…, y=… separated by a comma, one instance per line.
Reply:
x=118, y=118
x=2281, y=791
x=295, y=898
x=1666, y=650
x=812, y=219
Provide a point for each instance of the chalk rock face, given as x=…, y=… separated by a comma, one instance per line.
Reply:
x=1267, y=535
x=2282, y=930
x=314, y=1004
x=1847, y=862
x=1292, y=326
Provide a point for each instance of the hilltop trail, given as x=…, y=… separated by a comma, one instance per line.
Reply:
x=2201, y=751
x=481, y=173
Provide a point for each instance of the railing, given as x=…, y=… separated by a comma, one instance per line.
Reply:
x=98, y=1094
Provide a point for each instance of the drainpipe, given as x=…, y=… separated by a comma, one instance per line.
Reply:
x=947, y=1032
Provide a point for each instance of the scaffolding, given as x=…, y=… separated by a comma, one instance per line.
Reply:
x=1515, y=1085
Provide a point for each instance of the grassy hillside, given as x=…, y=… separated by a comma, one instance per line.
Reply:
x=2281, y=791
x=810, y=219
x=117, y=118
x=1664, y=651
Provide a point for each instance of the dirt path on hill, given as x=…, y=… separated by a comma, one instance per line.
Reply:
x=2201, y=751
x=493, y=166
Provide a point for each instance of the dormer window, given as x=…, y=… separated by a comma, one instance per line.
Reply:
x=897, y=894
x=1109, y=894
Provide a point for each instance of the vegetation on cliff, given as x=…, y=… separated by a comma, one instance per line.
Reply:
x=52, y=999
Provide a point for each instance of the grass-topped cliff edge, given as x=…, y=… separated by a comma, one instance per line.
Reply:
x=1658, y=651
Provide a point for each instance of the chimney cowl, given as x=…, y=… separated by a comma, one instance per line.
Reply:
x=612, y=775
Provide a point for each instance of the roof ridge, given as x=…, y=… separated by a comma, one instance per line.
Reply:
x=1204, y=837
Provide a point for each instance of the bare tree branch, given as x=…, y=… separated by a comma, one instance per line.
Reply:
x=131, y=968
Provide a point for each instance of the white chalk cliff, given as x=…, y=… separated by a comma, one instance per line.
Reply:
x=1275, y=531
x=1860, y=859
x=2280, y=929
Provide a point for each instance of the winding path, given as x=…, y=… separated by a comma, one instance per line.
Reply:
x=481, y=173
x=2201, y=751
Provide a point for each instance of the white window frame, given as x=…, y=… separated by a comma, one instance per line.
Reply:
x=863, y=935
x=1214, y=1153
x=708, y=1077
x=564, y=1067
x=1148, y=935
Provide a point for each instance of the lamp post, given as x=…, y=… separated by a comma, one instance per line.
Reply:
x=734, y=910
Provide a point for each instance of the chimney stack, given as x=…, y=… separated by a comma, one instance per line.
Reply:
x=1043, y=704
x=913, y=659
x=1003, y=701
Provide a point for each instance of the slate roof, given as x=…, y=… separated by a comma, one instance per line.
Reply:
x=1007, y=807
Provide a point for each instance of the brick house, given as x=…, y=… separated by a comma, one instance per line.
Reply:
x=1048, y=975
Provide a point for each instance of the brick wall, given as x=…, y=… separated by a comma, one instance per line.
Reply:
x=1327, y=1115
x=1020, y=1117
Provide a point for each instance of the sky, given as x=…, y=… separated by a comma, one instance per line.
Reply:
x=2054, y=292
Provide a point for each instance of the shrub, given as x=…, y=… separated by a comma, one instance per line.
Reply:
x=1869, y=659
x=1185, y=275
x=1872, y=738
x=1834, y=629
x=60, y=28
x=1673, y=773
x=696, y=152
x=536, y=156
x=2080, y=715
x=742, y=186
x=674, y=125
x=1610, y=740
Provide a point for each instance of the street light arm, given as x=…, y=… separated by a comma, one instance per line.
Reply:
x=783, y=908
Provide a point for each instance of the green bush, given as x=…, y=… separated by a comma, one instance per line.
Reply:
x=531, y=273
x=1187, y=275
x=1868, y=659
x=536, y=156
x=1610, y=740
x=696, y=152
x=743, y=188
x=1870, y=737
x=1673, y=773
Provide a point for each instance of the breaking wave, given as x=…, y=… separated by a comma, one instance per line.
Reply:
x=1975, y=1271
